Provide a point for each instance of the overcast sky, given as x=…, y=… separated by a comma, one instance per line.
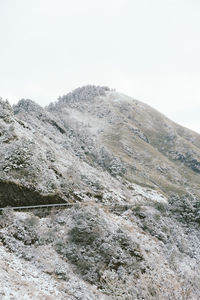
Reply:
x=148, y=49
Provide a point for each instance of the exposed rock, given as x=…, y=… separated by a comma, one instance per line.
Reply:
x=140, y=134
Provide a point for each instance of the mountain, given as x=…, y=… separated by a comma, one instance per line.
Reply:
x=131, y=178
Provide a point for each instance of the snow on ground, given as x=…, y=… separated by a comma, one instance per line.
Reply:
x=22, y=280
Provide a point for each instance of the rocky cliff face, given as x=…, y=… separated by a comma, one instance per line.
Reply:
x=132, y=178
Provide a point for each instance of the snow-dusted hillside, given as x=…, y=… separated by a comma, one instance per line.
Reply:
x=132, y=177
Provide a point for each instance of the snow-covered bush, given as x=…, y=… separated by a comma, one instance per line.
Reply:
x=94, y=248
x=28, y=106
x=6, y=112
x=6, y=216
x=85, y=93
x=18, y=156
x=110, y=163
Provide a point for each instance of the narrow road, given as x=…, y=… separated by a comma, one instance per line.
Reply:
x=37, y=206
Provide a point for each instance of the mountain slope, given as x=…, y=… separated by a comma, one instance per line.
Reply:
x=132, y=176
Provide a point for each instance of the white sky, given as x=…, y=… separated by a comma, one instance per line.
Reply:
x=148, y=49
